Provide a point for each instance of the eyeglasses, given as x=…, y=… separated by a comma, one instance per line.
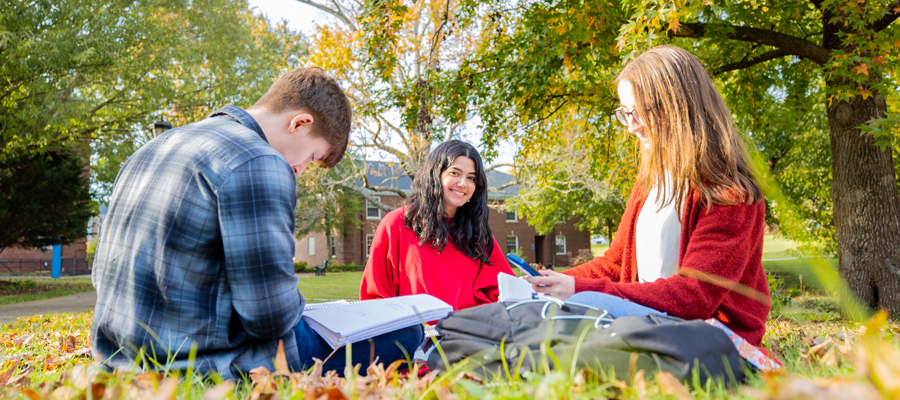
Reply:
x=622, y=114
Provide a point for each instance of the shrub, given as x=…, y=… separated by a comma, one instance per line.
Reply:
x=346, y=267
x=584, y=255
x=300, y=266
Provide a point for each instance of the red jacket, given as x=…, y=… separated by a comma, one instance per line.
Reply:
x=720, y=270
x=399, y=266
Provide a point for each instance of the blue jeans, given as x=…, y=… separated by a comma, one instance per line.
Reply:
x=387, y=348
x=615, y=305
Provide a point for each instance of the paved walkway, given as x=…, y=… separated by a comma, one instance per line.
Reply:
x=72, y=303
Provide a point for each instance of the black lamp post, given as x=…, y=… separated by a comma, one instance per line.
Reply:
x=159, y=127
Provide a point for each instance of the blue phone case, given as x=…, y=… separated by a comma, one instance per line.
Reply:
x=520, y=263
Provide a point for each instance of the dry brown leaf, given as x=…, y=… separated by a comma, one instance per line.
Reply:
x=68, y=344
x=22, y=379
x=263, y=396
x=281, y=365
x=878, y=358
x=468, y=375
x=670, y=386
x=332, y=393
x=219, y=391
x=639, y=384
x=31, y=394
x=805, y=389
x=4, y=376
x=23, y=340
x=66, y=393
x=144, y=385
x=262, y=378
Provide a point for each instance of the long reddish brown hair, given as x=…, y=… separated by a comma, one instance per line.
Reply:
x=692, y=137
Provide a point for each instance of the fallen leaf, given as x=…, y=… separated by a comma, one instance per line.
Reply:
x=639, y=384
x=8, y=374
x=330, y=394
x=281, y=365
x=670, y=386
x=878, y=358
x=805, y=389
x=219, y=391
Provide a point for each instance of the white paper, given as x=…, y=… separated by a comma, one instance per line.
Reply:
x=352, y=322
x=513, y=288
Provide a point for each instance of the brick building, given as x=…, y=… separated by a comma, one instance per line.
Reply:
x=511, y=230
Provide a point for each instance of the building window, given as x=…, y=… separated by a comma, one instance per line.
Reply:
x=372, y=212
x=332, y=247
x=369, y=240
x=312, y=246
x=560, y=245
x=512, y=244
x=512, y=215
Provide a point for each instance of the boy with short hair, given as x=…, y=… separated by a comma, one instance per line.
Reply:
x=197, y=246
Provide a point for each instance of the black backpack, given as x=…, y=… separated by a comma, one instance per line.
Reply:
x=581, y=336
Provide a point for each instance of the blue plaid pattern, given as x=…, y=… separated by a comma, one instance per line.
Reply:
x=197, y=250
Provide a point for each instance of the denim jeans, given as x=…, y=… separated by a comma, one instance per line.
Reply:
x=615, y=305
x=387, y=348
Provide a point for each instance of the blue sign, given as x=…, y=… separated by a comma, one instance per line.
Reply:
x=56, y=268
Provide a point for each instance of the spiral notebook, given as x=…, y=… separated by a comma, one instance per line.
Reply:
x=350, y=322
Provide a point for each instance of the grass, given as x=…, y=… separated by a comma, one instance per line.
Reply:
x=333, y=286
x=17, y=290
x=820, y=357
x=822, y=354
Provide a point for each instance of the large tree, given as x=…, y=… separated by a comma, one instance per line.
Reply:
x=799, y=76
x=44, y=199
x=79, y=70
x=389, y=57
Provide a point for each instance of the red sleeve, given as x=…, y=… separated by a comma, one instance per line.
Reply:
x=380, y=276
x=609, y=265
x=486, y=288
x=721, y=248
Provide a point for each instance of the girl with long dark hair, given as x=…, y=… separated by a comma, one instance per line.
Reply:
x=439, y=243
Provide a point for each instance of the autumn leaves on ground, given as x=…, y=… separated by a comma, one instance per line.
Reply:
x=48, y=357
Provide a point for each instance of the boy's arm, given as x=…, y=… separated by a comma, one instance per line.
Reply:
x=256, y=209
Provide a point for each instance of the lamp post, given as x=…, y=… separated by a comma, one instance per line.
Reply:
x=159, y=127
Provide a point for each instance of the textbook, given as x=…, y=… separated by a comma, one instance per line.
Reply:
x=513, y=288
x=342, y=323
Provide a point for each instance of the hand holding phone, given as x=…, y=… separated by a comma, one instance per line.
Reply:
x=519, y=263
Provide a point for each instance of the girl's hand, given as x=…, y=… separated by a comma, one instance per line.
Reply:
x=553, y=283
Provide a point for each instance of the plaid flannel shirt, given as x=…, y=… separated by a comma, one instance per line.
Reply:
x=197, y=249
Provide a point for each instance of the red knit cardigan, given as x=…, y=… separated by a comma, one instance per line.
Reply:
x=720, y=272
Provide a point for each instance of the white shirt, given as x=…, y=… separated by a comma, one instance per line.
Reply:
x=657, y=236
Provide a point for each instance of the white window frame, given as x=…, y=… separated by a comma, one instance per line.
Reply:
x=515, y=215
x=507, y=243
x=311, y=245
x=556, y=245
x=368, y=206
x=370, y=239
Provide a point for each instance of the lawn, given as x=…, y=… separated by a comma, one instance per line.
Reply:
x=17, y=290
x=333, y=286
x=44, y=357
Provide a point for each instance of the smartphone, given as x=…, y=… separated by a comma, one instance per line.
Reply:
x=520, y=264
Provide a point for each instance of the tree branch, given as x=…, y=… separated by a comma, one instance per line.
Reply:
x=790, y=44
x=339, y=15
x=887, y=19
x=751, y=61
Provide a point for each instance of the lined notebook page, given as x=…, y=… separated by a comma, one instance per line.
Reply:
x=513, y=288
x=352, y=322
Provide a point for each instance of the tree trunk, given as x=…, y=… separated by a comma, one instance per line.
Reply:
x=866, y=205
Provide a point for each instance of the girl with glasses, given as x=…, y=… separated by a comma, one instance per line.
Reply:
x=440, y=242
x=690, y=241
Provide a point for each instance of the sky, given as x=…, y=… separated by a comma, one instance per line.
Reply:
x=304, y=18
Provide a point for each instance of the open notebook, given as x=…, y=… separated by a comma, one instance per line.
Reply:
x=513, y=288
x=340, y=323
